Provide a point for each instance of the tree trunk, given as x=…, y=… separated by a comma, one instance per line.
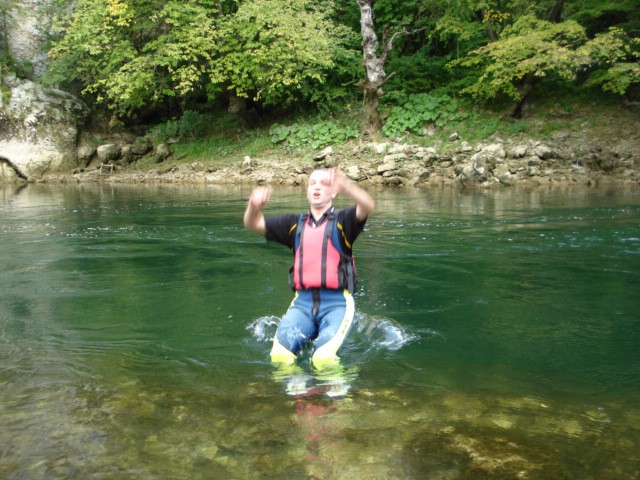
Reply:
x=371, y=122
x=373, y=70
x=555, y=14
x=375, y=77
x=490, y=33
x=525, y=87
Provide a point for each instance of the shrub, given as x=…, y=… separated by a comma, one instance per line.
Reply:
x=318, y=135
x=190, y=126
x=416, y=111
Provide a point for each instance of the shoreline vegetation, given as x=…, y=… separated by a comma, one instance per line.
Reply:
x=262, y=91
x=581, y=145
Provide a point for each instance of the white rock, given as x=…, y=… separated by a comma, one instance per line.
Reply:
x=381, y=148
x=394, y=157
x=387, y=167
x=324, y=154
x=543, y=151
x=353, y=172
x=108, y=152
x=496, y=150
x=399, y=148
x=519, y=151
x=43, y=127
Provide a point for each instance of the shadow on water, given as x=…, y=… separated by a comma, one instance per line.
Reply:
x=496, y=337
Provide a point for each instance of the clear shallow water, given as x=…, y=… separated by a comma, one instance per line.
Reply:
x=496, y=337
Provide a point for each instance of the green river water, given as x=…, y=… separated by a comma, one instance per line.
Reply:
x=497, y=336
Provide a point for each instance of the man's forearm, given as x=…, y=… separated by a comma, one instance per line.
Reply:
x=254, y=219
x=365, y=204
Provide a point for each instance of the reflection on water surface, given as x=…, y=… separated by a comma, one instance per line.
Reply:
x=496, y=337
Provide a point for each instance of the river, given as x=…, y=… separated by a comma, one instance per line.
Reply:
x=496, y=337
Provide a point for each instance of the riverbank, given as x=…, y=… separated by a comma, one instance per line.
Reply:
x=584, y=144
x=566, y=159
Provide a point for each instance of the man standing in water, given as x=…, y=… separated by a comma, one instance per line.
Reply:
x=323, y=275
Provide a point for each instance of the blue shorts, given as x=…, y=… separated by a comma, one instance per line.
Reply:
x=320, y=318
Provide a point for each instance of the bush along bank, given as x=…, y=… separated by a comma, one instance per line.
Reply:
x=566, y=159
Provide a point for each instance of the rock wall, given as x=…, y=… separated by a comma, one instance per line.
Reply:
x=38, y=126
x=26, y=37
x=38, y=129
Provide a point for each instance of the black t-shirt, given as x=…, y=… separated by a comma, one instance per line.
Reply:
x=282, y=228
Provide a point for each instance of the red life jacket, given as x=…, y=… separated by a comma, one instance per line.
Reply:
x=319, y=260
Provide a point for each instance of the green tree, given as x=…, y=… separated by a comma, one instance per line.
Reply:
x=174, y=63
x=135, y=54
x=613, y=59
x=278, y=52
x=527, y=51
x=597, y=16
x=532, y=49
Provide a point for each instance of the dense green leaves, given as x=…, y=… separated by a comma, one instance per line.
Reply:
x=280, y=51
x=318, y=135
x=137, y=56
x=129, y=67
x=5, y=21
x=415, y=111
x=132, y=55
x=596, y=16
x=616, y=60
x=531, y=47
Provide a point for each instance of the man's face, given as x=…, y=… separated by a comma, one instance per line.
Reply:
x=320, y=193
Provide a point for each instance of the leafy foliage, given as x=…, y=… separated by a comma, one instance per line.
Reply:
x=459, y=23
x=530, y=47
x=5, y=10
x=301, y=135
x=131, y=54
x=420, y=72
x=190, y=126
x=280, y=51
x=141, y=56
x=142, y=53
x=617, y=61
x=597, y=16
x=422, y=109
